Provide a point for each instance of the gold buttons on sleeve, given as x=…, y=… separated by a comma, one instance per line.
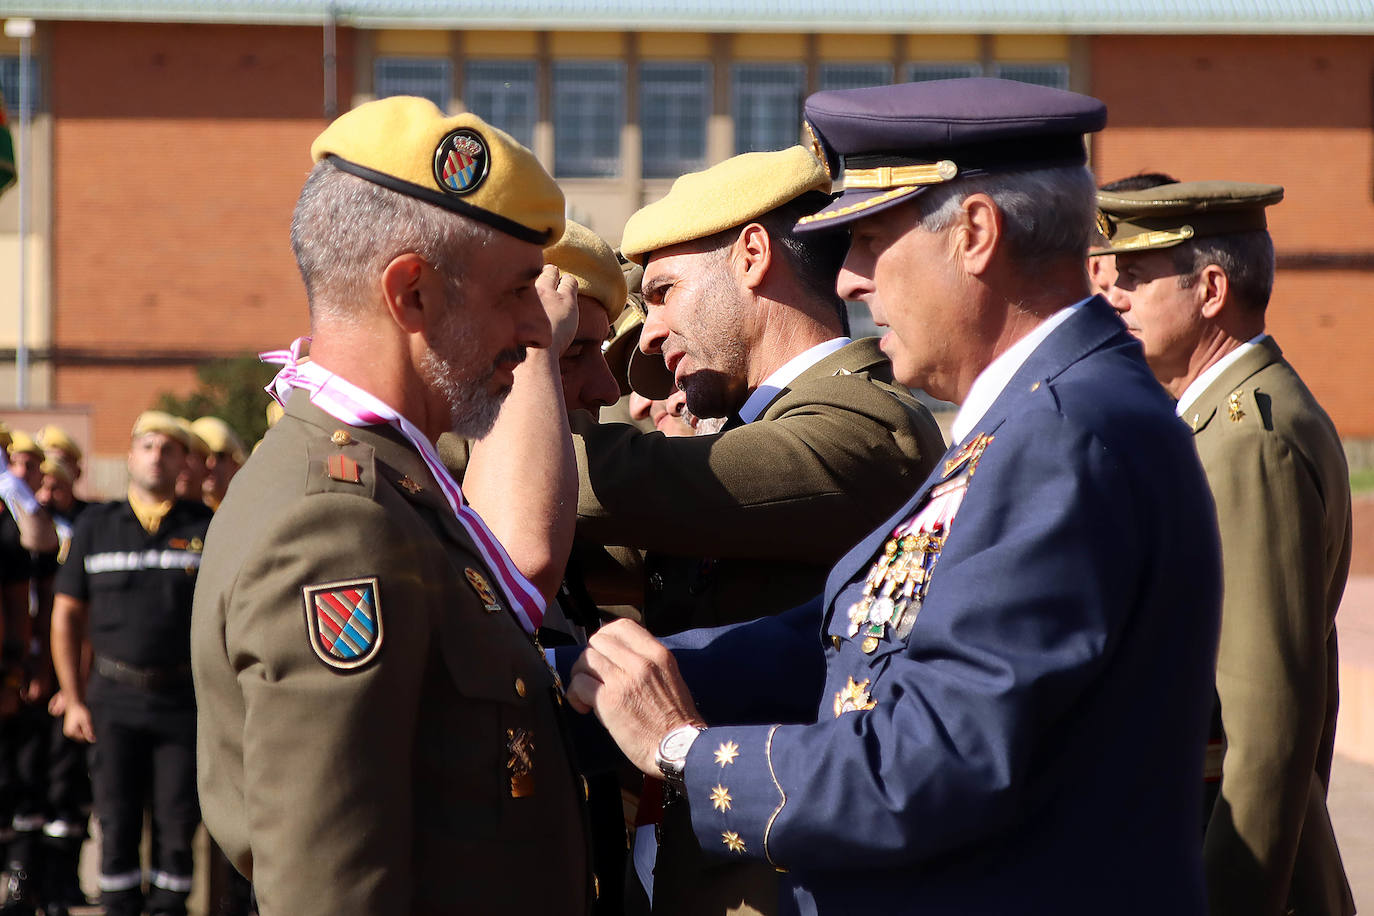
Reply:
x=520, y=686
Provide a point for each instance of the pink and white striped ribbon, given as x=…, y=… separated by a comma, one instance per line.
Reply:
x=350, y=404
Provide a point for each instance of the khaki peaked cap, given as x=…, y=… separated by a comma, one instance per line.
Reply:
x=588, y=259
x=460, y=163
x=1171, y=214
x=732, y=193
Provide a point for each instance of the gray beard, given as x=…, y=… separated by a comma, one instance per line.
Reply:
x=472, y=411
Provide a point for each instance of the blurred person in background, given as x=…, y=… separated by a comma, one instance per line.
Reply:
x=127, y=586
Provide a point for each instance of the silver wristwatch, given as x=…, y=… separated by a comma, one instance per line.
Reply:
x=671, y=756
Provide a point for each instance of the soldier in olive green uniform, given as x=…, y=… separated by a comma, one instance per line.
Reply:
x=1195, y=268
x=819, y=447
x=379, y=731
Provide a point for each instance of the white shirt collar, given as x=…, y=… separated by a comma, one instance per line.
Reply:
x=990, y=382
x=1213, y=372
x=765, y=393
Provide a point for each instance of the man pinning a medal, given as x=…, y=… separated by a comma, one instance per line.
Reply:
x=379, y=731
x=1017, y=664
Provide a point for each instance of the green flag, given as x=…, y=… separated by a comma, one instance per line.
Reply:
x=7, y=173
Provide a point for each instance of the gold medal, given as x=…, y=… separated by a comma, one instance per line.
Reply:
x=869, y=644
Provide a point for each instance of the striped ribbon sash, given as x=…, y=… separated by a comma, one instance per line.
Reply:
x=350, y=404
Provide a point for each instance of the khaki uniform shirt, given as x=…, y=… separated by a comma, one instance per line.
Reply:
x=748, y=522
x=1278, y=474
x=434, y=778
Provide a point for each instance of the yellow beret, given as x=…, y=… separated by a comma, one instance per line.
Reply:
x=21, y=442
x=623, y=342
x=737, y=190
x=219, y=436
x=54, y=438
x=5, y=437
x=274, y=413
x=1171, y=214
x=58, y=469
x=193, y=440
x=583, y=255
x=158, y=421
x=460, y=163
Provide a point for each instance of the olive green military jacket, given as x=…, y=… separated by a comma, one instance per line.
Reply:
x=748, y=522
x=1278, y=474
x=421, y=768
x=761, y=511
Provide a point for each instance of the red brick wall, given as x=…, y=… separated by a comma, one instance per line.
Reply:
x=178, y=154
x=1294, y=111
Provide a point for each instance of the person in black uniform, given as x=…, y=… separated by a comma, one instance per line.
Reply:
x=62, y=783
x=128, y=581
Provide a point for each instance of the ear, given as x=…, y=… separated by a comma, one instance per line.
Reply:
x=752, y=255
x=408, y=287
x=977, y=234
x=1213, y=289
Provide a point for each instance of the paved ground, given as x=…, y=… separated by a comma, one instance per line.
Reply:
x=1351, y=803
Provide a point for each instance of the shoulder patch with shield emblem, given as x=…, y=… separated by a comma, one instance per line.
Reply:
x=344, y=620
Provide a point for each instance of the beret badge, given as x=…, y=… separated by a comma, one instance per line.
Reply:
x=461, y=161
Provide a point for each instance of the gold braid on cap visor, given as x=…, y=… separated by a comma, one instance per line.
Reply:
x=895, y=180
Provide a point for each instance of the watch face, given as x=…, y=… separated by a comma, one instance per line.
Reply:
x=677, y=743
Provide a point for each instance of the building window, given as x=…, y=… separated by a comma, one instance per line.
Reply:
x=674, y=106
x=9, y=84
x=855, y=76
x=919, y=73
x=588, y=113
x=767, y=106
x=502, y=93
x=1056, y=76
x=428, y=77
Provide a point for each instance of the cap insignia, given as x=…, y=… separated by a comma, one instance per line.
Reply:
x=814, y=144
x=461, y=162
x=345, y=622
x=1104, y=224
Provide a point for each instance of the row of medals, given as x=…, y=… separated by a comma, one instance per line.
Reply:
x=895, y=587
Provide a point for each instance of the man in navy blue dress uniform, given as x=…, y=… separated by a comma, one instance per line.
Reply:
x=1001, y=700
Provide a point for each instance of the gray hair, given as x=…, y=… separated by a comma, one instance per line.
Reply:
x=1048, y=213
x=346, y=229
x=1246, y=257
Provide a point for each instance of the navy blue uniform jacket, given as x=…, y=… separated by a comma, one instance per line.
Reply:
x=1036, y=742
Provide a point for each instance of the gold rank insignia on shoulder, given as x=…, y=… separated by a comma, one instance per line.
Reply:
x=732, y=841
x=853, y=698
x=1233, y=407
x=968, y=455
x=726, y=753
x=520, y=762
x=344, y=468
x=409, y=485
x=720, y=798
x=483, y=588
